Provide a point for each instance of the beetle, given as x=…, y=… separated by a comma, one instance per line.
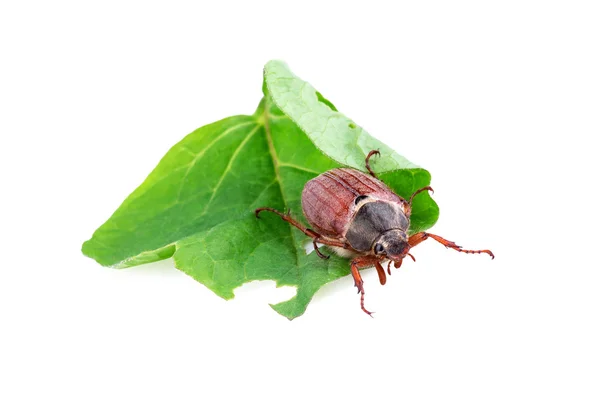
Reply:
x=360, y=217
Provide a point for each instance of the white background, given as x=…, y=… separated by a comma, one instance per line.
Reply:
x=500, y=101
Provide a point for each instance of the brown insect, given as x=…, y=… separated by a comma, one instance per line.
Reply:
x=358, y=216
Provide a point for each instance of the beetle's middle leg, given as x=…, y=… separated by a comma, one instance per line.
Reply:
x=317, y=238
x=321, y=255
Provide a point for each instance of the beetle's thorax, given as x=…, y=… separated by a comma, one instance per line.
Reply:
x=377, y=220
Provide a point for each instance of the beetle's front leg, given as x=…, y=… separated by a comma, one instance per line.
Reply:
x=421, y=236
x=357, y=263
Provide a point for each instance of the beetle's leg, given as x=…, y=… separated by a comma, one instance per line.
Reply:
x=419, y=191
x=317, y=238
x=357, y=263
x=372, y=152
x=331, y=242
x=288, y=218
x=398, y=264
x=380, y=273
x=321, y=255
x=421, y=236
x=328, y=241
x=358, y=282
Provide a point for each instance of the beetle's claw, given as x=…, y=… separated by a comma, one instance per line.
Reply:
x=369, y=313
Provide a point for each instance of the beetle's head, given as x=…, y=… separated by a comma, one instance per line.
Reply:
x=392, y=244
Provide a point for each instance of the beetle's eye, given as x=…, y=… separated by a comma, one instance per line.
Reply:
x=378, y=248
x=359, y=199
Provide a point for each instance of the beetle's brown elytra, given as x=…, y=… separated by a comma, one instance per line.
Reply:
x=361, y=218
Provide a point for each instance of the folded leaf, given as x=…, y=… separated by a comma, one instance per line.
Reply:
x=197, y=205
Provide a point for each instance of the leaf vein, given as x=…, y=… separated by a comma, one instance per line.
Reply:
x=204, y=150
x=228, y=168
x=276, y=167
x=287, y=165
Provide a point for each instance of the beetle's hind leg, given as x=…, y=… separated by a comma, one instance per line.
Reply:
x=371, y=153
x=288, y=218
x=317, y=238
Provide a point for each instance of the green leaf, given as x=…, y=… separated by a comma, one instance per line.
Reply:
x=347, y=143
x=197, y=205
x=331, y=131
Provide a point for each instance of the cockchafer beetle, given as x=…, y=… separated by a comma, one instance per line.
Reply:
x=361, y=218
